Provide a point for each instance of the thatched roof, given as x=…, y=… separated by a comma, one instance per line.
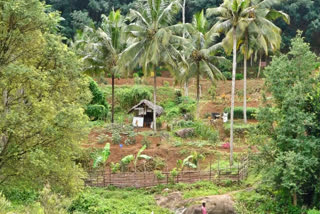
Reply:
x=158, y=109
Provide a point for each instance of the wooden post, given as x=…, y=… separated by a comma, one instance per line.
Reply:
x=110, y=173
x=238, y=173
x=219, y=170
x=167, y=178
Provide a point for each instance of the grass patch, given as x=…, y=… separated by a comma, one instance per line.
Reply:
x=114, y=200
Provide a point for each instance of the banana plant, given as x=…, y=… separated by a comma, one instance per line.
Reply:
x=126, y=161
x=103, y=157
x=140, y=156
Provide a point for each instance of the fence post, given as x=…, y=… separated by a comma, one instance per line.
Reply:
x=219, y=170
x=167, y=178
x=110, y=173
x=104, y=177
x=238, y=173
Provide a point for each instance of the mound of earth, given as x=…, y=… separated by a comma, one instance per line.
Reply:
x=216, y=204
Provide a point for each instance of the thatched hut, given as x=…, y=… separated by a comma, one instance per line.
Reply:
x=144, y=113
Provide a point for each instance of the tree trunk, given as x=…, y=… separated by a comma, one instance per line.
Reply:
x=154, y=100
x=259, y=65
x=198, y=88
x=186, y=89
x=184, y=15
x=251, y=59
x=294, y=199
x=234, y=69
x=112, y=104
x=245, y=79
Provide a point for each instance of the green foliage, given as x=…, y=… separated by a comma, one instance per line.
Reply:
x=228, y=76
x=115, y=167
x=103, y=157
x=313, y=211
x=240, y=129
x=4, y=203
x=98, y=108
x=146, y=142
x=116, y=137
x=238, y=112
x=130, y=139
x=114, y=200
x=42, y=122
x=206, y=132
x=212, y=91
x=159, y=175
x=124, y=163
x=52, y=203
x=128, y=97
x=294, y=163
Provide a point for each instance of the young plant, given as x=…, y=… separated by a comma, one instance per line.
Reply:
x=103, y=157
x=140, y=156
x=125, y=162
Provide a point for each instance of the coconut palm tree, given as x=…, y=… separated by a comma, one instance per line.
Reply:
x=101, y=48
x=233, y=19
x=265, y=33
x=201, y=52
x=152, y=41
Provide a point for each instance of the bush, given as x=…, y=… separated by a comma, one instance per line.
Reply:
x=51, y=202
x=313, y=211
x=129, y=97
x=206, y=132
x=115, y=167
x=98, y=108
x=166, y=84
x=96, y=112
x=116, y=137
x=146, y=142
x=212, y=92
x=159, y=175
x=228, y=76
x=238, y=112
x=4, y=203
x=131, y=139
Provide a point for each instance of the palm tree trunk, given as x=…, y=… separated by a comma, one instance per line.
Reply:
x=198, y=88
x=245, y=79
x=154, y=100
x=259, y=65
x=186, y=90
x=112, y=104
x=234, y=69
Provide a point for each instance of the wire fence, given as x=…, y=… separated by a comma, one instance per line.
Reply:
x=104, y=178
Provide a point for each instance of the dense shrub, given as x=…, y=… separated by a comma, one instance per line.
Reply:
x=96, y=112
x=238, y=112
x=98, y=108
x=129, y=97
x=206, y=132
x=228, y=76
x=116, y=137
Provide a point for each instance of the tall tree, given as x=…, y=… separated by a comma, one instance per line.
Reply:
x=201, y=52
x=267, y=34
x=42, y=122
x=233, y=18
x=153, y=43
x=102, y=51
x=291, y=155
